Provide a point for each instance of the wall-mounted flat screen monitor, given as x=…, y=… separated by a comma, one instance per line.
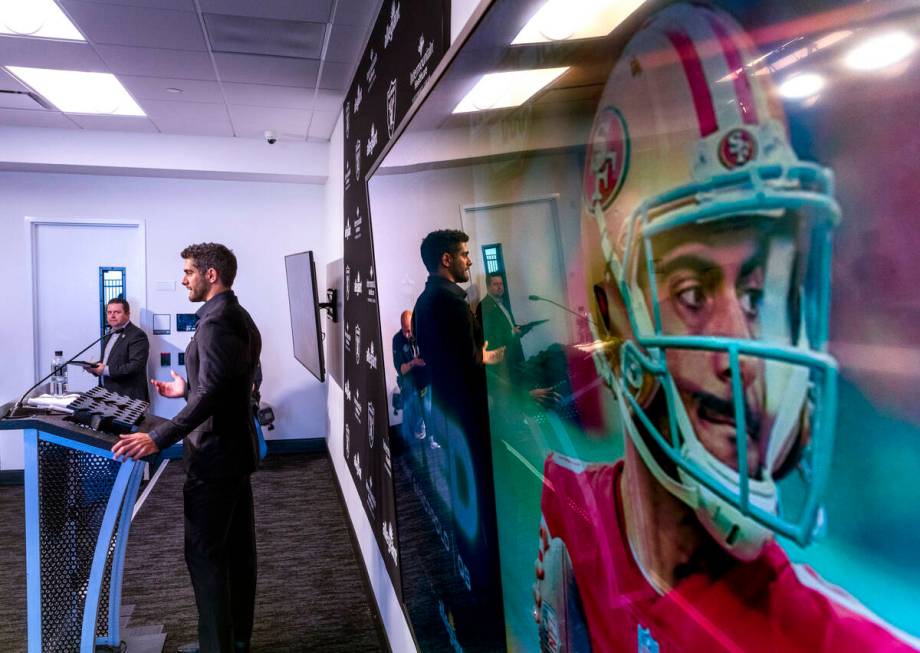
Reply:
x=304, y=303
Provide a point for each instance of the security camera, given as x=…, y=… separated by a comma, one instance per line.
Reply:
x=271, y=137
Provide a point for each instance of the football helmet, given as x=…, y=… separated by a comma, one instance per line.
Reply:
x=688, y=144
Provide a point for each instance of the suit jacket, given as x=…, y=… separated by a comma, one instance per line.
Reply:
x=128, y=363
x=499, y=332
x=221, y=361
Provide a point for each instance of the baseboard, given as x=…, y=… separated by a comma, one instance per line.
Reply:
x=11, y=477
x=297, y=445
x=359, y=558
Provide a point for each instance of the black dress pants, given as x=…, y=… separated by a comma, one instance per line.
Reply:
x=220, y=551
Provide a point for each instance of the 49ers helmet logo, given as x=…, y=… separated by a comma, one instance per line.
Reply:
x=607, y=158
x=736, y=148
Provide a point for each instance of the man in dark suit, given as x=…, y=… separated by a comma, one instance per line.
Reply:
x=123, y=367
x=498, y=325
x=221, y=450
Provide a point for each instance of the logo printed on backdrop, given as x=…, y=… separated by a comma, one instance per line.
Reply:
x=359, y=408
x=347, y=390
x=372, y=141
x=347, y=173
x=391, y=25
x=391, y=110
x=369, y=495
x=371, y=285
x=347, y=122
x=421, y=44
x=391, y=542
x=371, y=356
x=358, y=285
x=387, y=462
x=358, y=160
x=347, y=337
x=359, y=224
x=371, y=75
x=357, y=464
x=357, y=352
x=347, y=295
x=370, y=424
x=347, y=438
x=347, y=228
x=359, y=95
x=420, y=72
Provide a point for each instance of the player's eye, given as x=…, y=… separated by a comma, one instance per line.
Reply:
x=751, y=300
x=690, y=295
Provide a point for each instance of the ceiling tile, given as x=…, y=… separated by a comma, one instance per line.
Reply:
x=357, y=12
x=251, y=122
x=329, y=101
x=262, y=95
x=195, y=118
x=314, y=10
x=151, y=62
x=10, y=83
x=345, y=43
x=336, y=76
x=256, y=69
x=21, y=118
x=277, y=38
x=114, y=123
x=322, y=124
x=178, y=5
x=20, y=101
x=42, y=53
x=137, y=26
x=154, y=88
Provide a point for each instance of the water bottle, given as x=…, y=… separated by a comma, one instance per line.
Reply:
x=59, y=378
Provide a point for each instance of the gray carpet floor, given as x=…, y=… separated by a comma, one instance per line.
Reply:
x=312, y=595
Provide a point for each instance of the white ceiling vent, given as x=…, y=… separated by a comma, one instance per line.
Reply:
x=266, y=36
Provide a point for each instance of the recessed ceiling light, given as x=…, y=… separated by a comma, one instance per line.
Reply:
x=508, y=89
x=38, y=18
x=559, y=20
x=73, y=91
x=880, y=51
x=801, y=86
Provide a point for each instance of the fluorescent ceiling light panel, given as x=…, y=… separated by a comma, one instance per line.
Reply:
x=509, y=89
x=38, y=18
x=880, y=51
x=73, y=91
x=561, y=20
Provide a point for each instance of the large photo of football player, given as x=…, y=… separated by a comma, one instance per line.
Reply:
x=707, y=244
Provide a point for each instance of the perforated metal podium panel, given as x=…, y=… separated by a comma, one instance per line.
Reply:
x=74, y=489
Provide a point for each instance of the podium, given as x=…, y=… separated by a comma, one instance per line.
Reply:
x=79, y=502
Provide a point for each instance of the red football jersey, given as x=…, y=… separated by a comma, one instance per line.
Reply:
x=768, y=604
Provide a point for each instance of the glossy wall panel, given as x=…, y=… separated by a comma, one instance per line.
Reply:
x=704, y=434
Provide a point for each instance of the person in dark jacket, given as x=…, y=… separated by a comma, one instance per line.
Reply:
x=123, y=367
x=221, y=450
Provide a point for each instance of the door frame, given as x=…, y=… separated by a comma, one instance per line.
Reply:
x=553, y=200
x=33, y=223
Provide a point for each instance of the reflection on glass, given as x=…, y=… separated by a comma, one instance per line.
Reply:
x=701, y=279
x=507, y=89
x=559, y=20
x=880, y=51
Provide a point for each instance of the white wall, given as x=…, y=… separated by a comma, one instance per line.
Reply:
x=260, y=221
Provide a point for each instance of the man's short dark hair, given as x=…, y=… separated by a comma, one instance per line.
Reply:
x=126, y=307
x=492, y=275
x=213, y=255
x=437, y=243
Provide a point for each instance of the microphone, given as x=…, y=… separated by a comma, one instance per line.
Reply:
x=67, y=362
x=537, y=298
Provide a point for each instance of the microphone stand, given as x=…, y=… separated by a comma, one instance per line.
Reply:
x=55, y=369
x=537, y=298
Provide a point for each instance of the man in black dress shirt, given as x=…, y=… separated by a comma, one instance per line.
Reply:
x=455, y=355
x=221, y=450
x=123, y=367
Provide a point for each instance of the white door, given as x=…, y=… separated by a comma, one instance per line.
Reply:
x=66, y=291
x=528, y=232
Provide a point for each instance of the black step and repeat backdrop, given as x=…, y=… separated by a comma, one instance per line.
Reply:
x=408, y=40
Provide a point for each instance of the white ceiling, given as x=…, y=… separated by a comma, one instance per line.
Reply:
x=222, y=54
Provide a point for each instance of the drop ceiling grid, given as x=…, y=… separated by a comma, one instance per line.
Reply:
x=152, y=45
